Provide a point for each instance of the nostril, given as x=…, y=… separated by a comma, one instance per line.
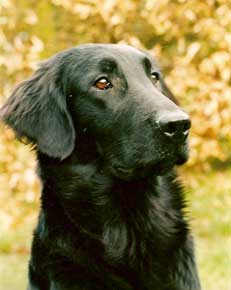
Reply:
x=177, y=127
x=185, y=127
x=169, y=129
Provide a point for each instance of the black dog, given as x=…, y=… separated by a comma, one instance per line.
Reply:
x=108, y=133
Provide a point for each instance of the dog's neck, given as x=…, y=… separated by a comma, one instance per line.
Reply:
x=104, y=208
x=71, y=180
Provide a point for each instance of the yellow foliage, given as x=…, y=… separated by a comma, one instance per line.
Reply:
x=192, y=40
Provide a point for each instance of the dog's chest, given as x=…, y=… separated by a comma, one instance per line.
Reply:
x=140, y=243
x=141, y=232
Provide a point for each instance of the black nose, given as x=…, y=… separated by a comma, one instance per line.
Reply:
x=174, y=124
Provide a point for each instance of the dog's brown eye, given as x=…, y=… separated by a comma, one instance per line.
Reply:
x=155, y=77
x=103, y=84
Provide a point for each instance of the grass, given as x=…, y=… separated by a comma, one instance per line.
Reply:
x=209, y=205
x=13, y=272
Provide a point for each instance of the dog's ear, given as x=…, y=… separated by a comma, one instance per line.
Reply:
x=37, y=110
x=168, y=92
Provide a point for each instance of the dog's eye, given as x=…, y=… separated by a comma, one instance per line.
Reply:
x=103, y=84
x=155, y=77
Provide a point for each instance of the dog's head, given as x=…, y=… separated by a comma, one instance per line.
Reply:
x=112, y=97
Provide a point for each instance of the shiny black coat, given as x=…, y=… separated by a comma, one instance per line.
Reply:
x=107, y=133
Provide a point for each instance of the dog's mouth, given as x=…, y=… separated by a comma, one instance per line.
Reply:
x=159, y=167
x=145, y=169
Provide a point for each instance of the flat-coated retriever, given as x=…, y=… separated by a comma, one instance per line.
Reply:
x=107, y=133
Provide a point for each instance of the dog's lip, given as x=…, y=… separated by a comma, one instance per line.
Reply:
x=122, y=172
x=157, y=167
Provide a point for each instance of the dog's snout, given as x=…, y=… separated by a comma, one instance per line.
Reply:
x=174, y=124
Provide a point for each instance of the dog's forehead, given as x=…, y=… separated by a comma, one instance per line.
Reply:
x=120, y=53
x=110, y=48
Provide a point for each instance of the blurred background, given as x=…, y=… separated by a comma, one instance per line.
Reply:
x=192, y=40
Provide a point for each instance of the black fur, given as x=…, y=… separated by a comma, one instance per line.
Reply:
x=111, y=209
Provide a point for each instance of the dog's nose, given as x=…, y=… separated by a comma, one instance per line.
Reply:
x=174, y=124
